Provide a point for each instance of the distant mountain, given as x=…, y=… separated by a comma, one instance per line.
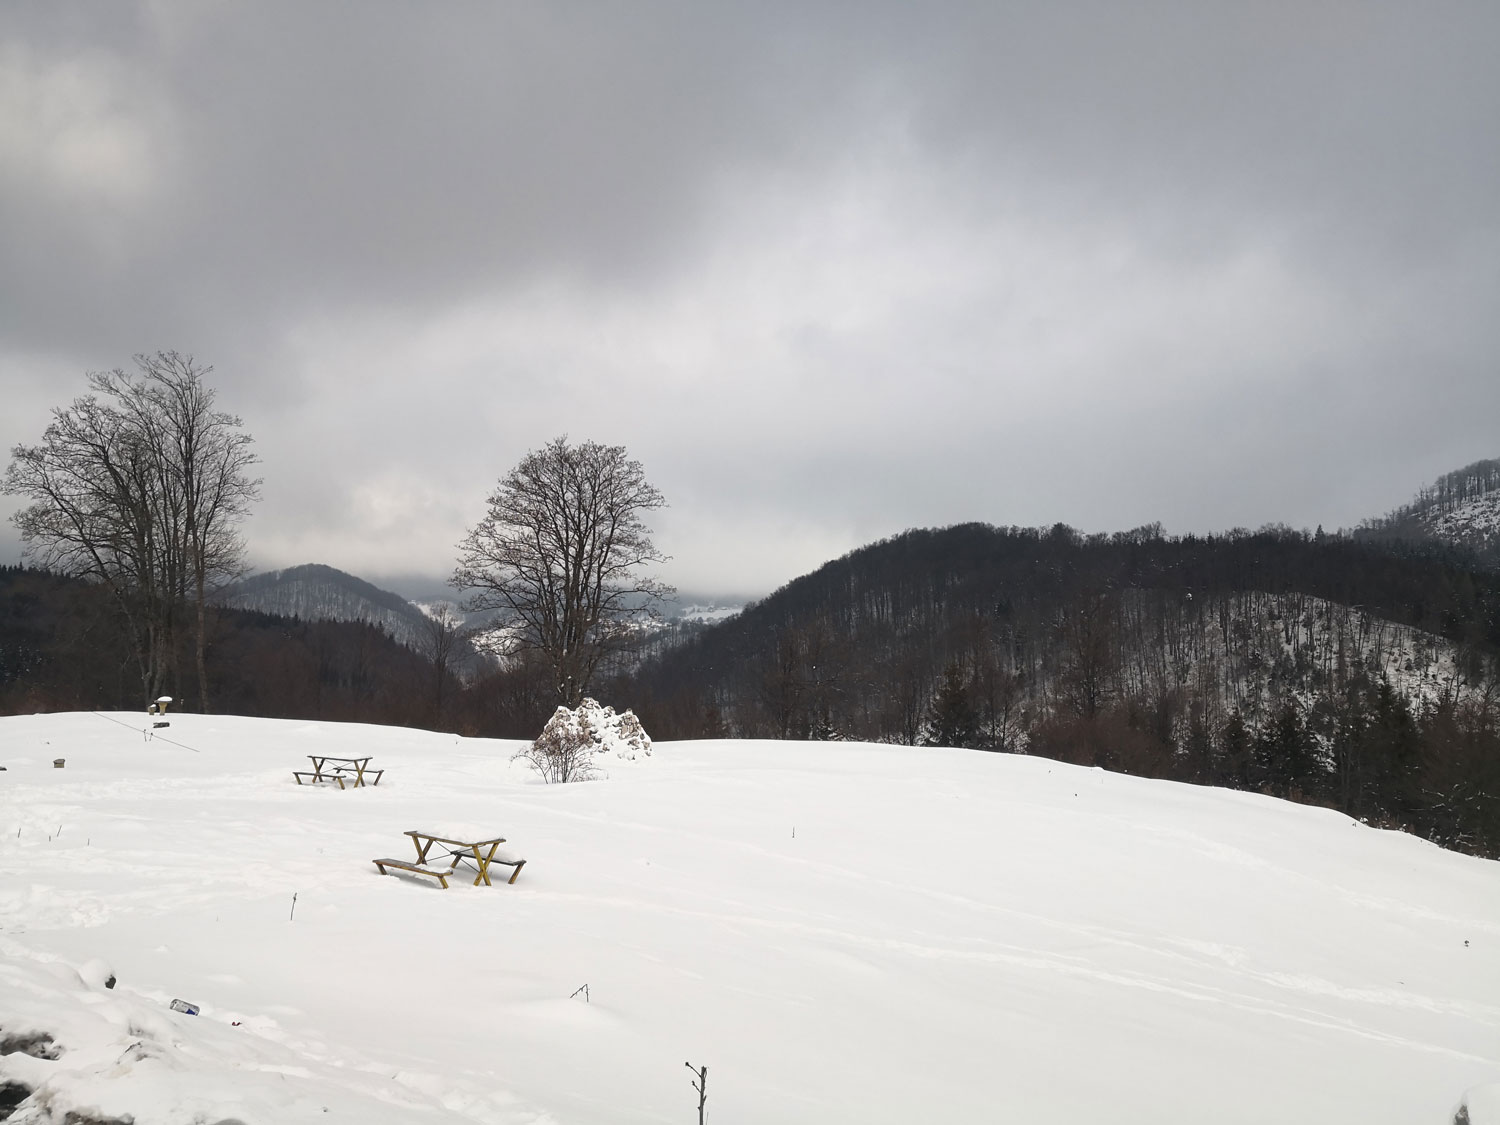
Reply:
x=314, y=592
x=1461, y=509
x=687, y=606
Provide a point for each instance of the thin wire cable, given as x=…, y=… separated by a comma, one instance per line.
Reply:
x=154, y=737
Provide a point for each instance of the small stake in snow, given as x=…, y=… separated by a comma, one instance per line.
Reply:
x=701, y=1086
x=293, y=914
x=585, y=990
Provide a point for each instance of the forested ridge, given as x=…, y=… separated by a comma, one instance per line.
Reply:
x=1461, y=509
x=1448, y=493
x=1318, y=667
x=63, y=646
x=1022, y=594
x=316, y=592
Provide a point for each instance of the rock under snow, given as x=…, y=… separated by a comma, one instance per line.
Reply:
x=1481, y=1106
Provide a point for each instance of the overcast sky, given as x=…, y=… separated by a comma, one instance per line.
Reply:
x=829, y=270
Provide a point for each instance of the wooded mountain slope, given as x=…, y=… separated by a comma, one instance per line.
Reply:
x=1318, y=667
x=1460, y=509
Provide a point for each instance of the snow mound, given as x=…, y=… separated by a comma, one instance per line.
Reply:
x=573, y=741
x=620, y=735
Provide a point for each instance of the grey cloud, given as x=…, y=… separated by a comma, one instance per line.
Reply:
x=314, y=153
x=318, y=154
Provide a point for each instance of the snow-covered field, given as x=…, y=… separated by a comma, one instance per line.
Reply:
x=841, y=933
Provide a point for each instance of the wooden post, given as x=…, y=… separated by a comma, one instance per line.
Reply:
x=701, y=1085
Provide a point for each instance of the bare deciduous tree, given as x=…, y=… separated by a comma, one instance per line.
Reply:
x=559, y=554
x=210, y=458
x=443, y=640
x=139, y=486
x=563, y=752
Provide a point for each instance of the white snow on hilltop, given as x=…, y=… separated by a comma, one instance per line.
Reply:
x=839, y=932
x=1475, y=521
x=706, y=614
x=1461, y=507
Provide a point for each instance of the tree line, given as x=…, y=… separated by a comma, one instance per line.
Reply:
x=63, y=647
x=1456, y=501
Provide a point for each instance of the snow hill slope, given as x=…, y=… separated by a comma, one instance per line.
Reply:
x=840, y=932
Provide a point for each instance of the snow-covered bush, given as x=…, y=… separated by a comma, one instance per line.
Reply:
x=568, y=746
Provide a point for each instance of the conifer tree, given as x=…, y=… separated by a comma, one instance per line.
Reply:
x=953, y=721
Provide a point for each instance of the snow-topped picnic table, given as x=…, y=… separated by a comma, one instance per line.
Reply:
x=352, y=771
x=453, y=848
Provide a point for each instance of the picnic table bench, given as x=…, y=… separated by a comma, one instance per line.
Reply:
x=481, y=853
x=350, y=772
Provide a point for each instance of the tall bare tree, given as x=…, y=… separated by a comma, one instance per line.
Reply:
x=443, y=640
x=139, y=486
x=208, y=460
x=559, y=554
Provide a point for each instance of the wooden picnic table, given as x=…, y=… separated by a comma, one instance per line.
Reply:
x=342, y=770
x=481, y=853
